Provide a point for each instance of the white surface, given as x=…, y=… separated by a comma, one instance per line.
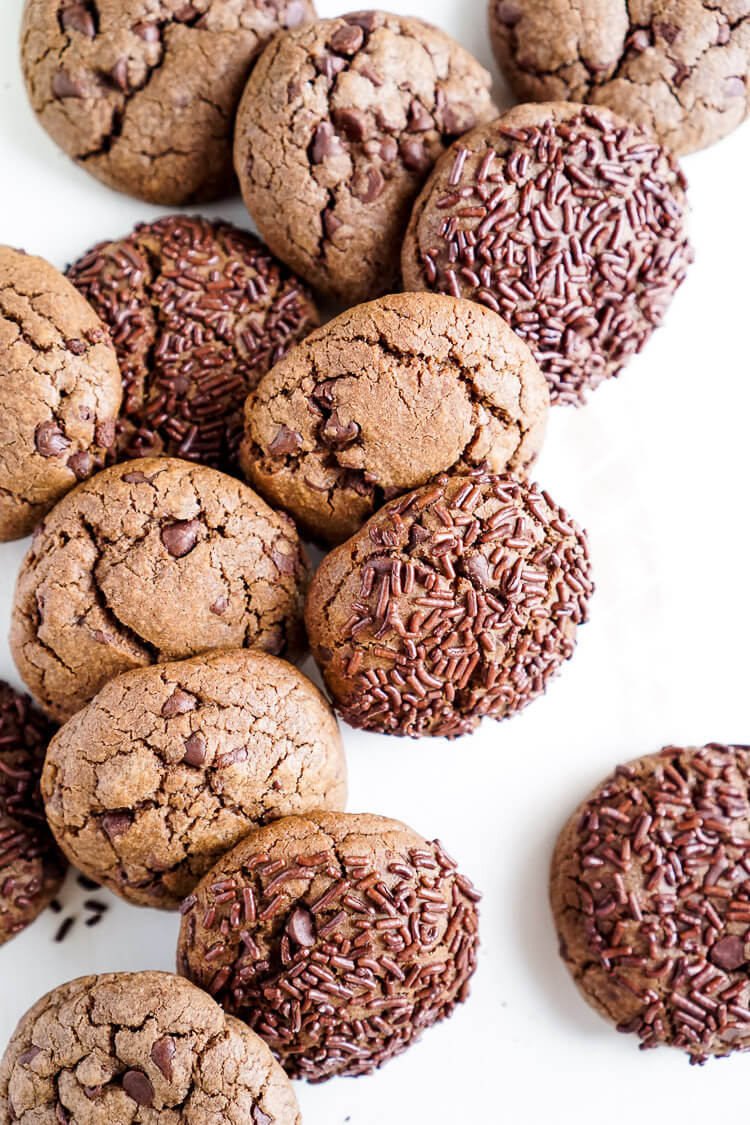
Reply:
x=656, y=467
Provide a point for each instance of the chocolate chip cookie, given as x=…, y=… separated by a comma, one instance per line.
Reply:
x=31, y=868
x=198, y=312
x=383, y=398
x=569, y=222
x=457, y=601
x=170, y=766
x=143, y=93
x=336, y=131
x=152, y=560
x=59, y=390
x=678, y=67
x=131, y=1048
x=650, y=892
x=337, y=937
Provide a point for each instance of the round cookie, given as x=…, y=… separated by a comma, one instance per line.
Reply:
x=198, y=311
x=337, y=129
x=678, y=67
x=60, y=390
x=31, y=868
x=650, y=893
x=150, y=561
x=567, y=221
x=143, y=93
x=383, y=398
x=170, y=766
x=457, y=601
x=131, y=1048
x=338, y=937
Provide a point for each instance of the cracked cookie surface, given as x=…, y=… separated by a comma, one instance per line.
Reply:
x=338, y=937
x=566, y=220
x=650, y=893
x=60, y=390
x=138, y=1048
x=31, y=868
x=383, y=398
x=143, y=93
x=198, y=311
x=678, y=67
x=150, y=561
x=170, y=766
x=338, y=127
x=457, y=601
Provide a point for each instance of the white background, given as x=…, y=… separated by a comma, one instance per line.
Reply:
x=656, y=467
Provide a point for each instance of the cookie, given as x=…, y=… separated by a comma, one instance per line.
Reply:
x=337, y=937
x=457, y=601
x=650, y=893
x=127, y=1048
x=382, y=399
x=198, y=312
x=170, y=766
x=678, y=67
x=31, y=868
x=567, y=221
x=339, y=125
x=59, y=390
x=150, y=561
x=143, y=94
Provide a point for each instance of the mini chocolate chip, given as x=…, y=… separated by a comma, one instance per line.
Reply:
x=81, y=464
x=331, y=223
x=329, y=65
x=418, y=534
x=728, y=953
x=325, y=143
x=419, y=120
x=286, y=441
x=220, y=605
x=259, y=1117
x=335, y=433
x=105, y=434
x=29, y=1056
x=78, y=19
x=195, y=751
x=413, y=154
x=347, y=40
x=368, y=185
x=148, y=32
x=351, y=122
x=285, y=564
x=116, y=823
x=138, y=1086
x=508, y=14
x=162, y=1054
x=49, y=439
x=667, y=31
x=734, y=86
x=477, y=569
x=63, y=86
x=119, y=74
x=77, y=347
x=301, y=927
x=232, y=757
x=294, y=15
x=640, y=40
x=179, y=703
x=180, y=538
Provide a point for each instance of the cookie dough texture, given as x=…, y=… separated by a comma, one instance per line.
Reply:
x=138, y=1048
x=170, y=766
x=566, y=220
x=337, y=937
x=457, y=601
x=649, y=889
x=143, y=93
x=678, y=67
x=152, y=561
x=198, y=311
x=339, y=125
x=59, y=390
x=31, y=868
x=383, y=398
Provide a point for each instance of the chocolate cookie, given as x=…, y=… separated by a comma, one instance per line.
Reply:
x=59, y=390
x=127, y=1048
x=143, y=93
x=677, y=67
x=567, y=221
x=170, y=766
x=150, y=561
x=31, y=868
x=337, y=937
x=457, y=601
x=198, y=312
x=382, y=399
x=651, y=897
x=336, y=131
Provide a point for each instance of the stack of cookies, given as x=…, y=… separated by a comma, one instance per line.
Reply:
x=179, y=758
